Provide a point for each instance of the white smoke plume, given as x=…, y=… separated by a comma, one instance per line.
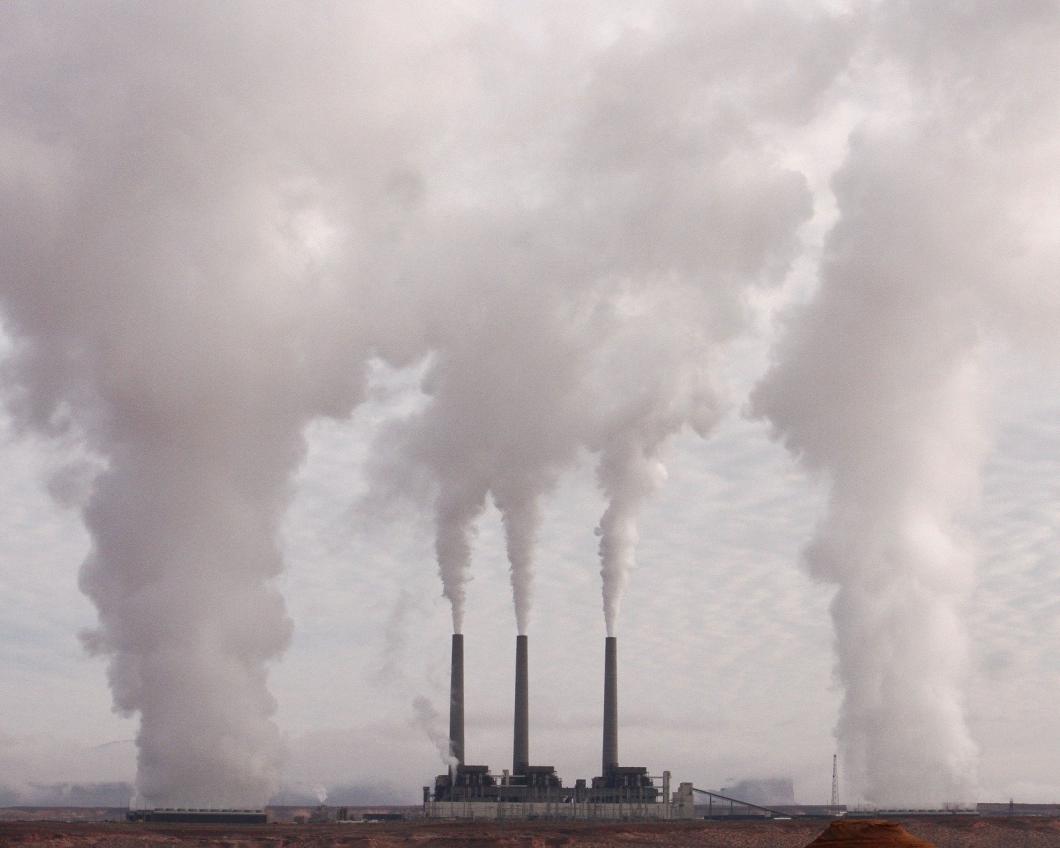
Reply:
x=213, y=215
x=669, y=388
x=625, y=196
x=169, y=283
x=427, y=719
x=941, y=244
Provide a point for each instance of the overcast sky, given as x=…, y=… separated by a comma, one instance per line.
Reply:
x=474, y=170
x=726, y=659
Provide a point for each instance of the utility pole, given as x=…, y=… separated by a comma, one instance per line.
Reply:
x=835, y=784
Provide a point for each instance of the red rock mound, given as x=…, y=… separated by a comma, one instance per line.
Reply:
x=869, y=833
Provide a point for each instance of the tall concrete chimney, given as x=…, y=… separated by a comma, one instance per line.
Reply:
x=456, y=700
x=610, y=759
x=521, y=746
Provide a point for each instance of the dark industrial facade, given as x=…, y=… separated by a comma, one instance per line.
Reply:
x=474, y=791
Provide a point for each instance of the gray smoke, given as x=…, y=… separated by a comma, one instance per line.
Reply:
x=669, y=388
x=941, y=245
x=214, y=215
x=427, y=719
x=170, y=296
x=571, y=293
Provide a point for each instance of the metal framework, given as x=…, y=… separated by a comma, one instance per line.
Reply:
x=771, y=813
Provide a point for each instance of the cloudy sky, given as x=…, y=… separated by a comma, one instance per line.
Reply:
x=480, y=255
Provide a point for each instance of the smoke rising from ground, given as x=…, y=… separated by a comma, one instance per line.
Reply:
x=880, y=381
x=170, y=301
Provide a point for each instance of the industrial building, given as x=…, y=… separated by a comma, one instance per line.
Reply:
x=197, y=816
x=536, y=791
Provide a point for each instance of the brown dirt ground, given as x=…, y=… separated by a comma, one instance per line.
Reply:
x=869, y=833
x=971, y=832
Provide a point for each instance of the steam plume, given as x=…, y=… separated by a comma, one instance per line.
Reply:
x=426, y=717
x=589, y=275
x=213, y=224
x=669, y=388
x=453, y=546
x=167, y=286
x=879, y=381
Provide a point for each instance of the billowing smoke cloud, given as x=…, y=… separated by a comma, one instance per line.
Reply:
x=625, y=195
x=940, y=245
x=667, y=389
x=215, y=215
x=169, y=282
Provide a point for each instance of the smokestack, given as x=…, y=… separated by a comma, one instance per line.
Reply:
x=610, y=704
x=521, y=747
x=456, y=700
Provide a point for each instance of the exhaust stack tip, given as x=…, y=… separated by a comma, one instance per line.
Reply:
x=610, y=747
x=456, y=701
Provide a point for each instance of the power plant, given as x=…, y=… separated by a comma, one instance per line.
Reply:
x=525, y=791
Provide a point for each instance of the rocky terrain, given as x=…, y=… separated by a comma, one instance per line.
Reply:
x=881, y=834
x=943, y=832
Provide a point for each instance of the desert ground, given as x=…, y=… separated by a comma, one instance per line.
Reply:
x=952, y=832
